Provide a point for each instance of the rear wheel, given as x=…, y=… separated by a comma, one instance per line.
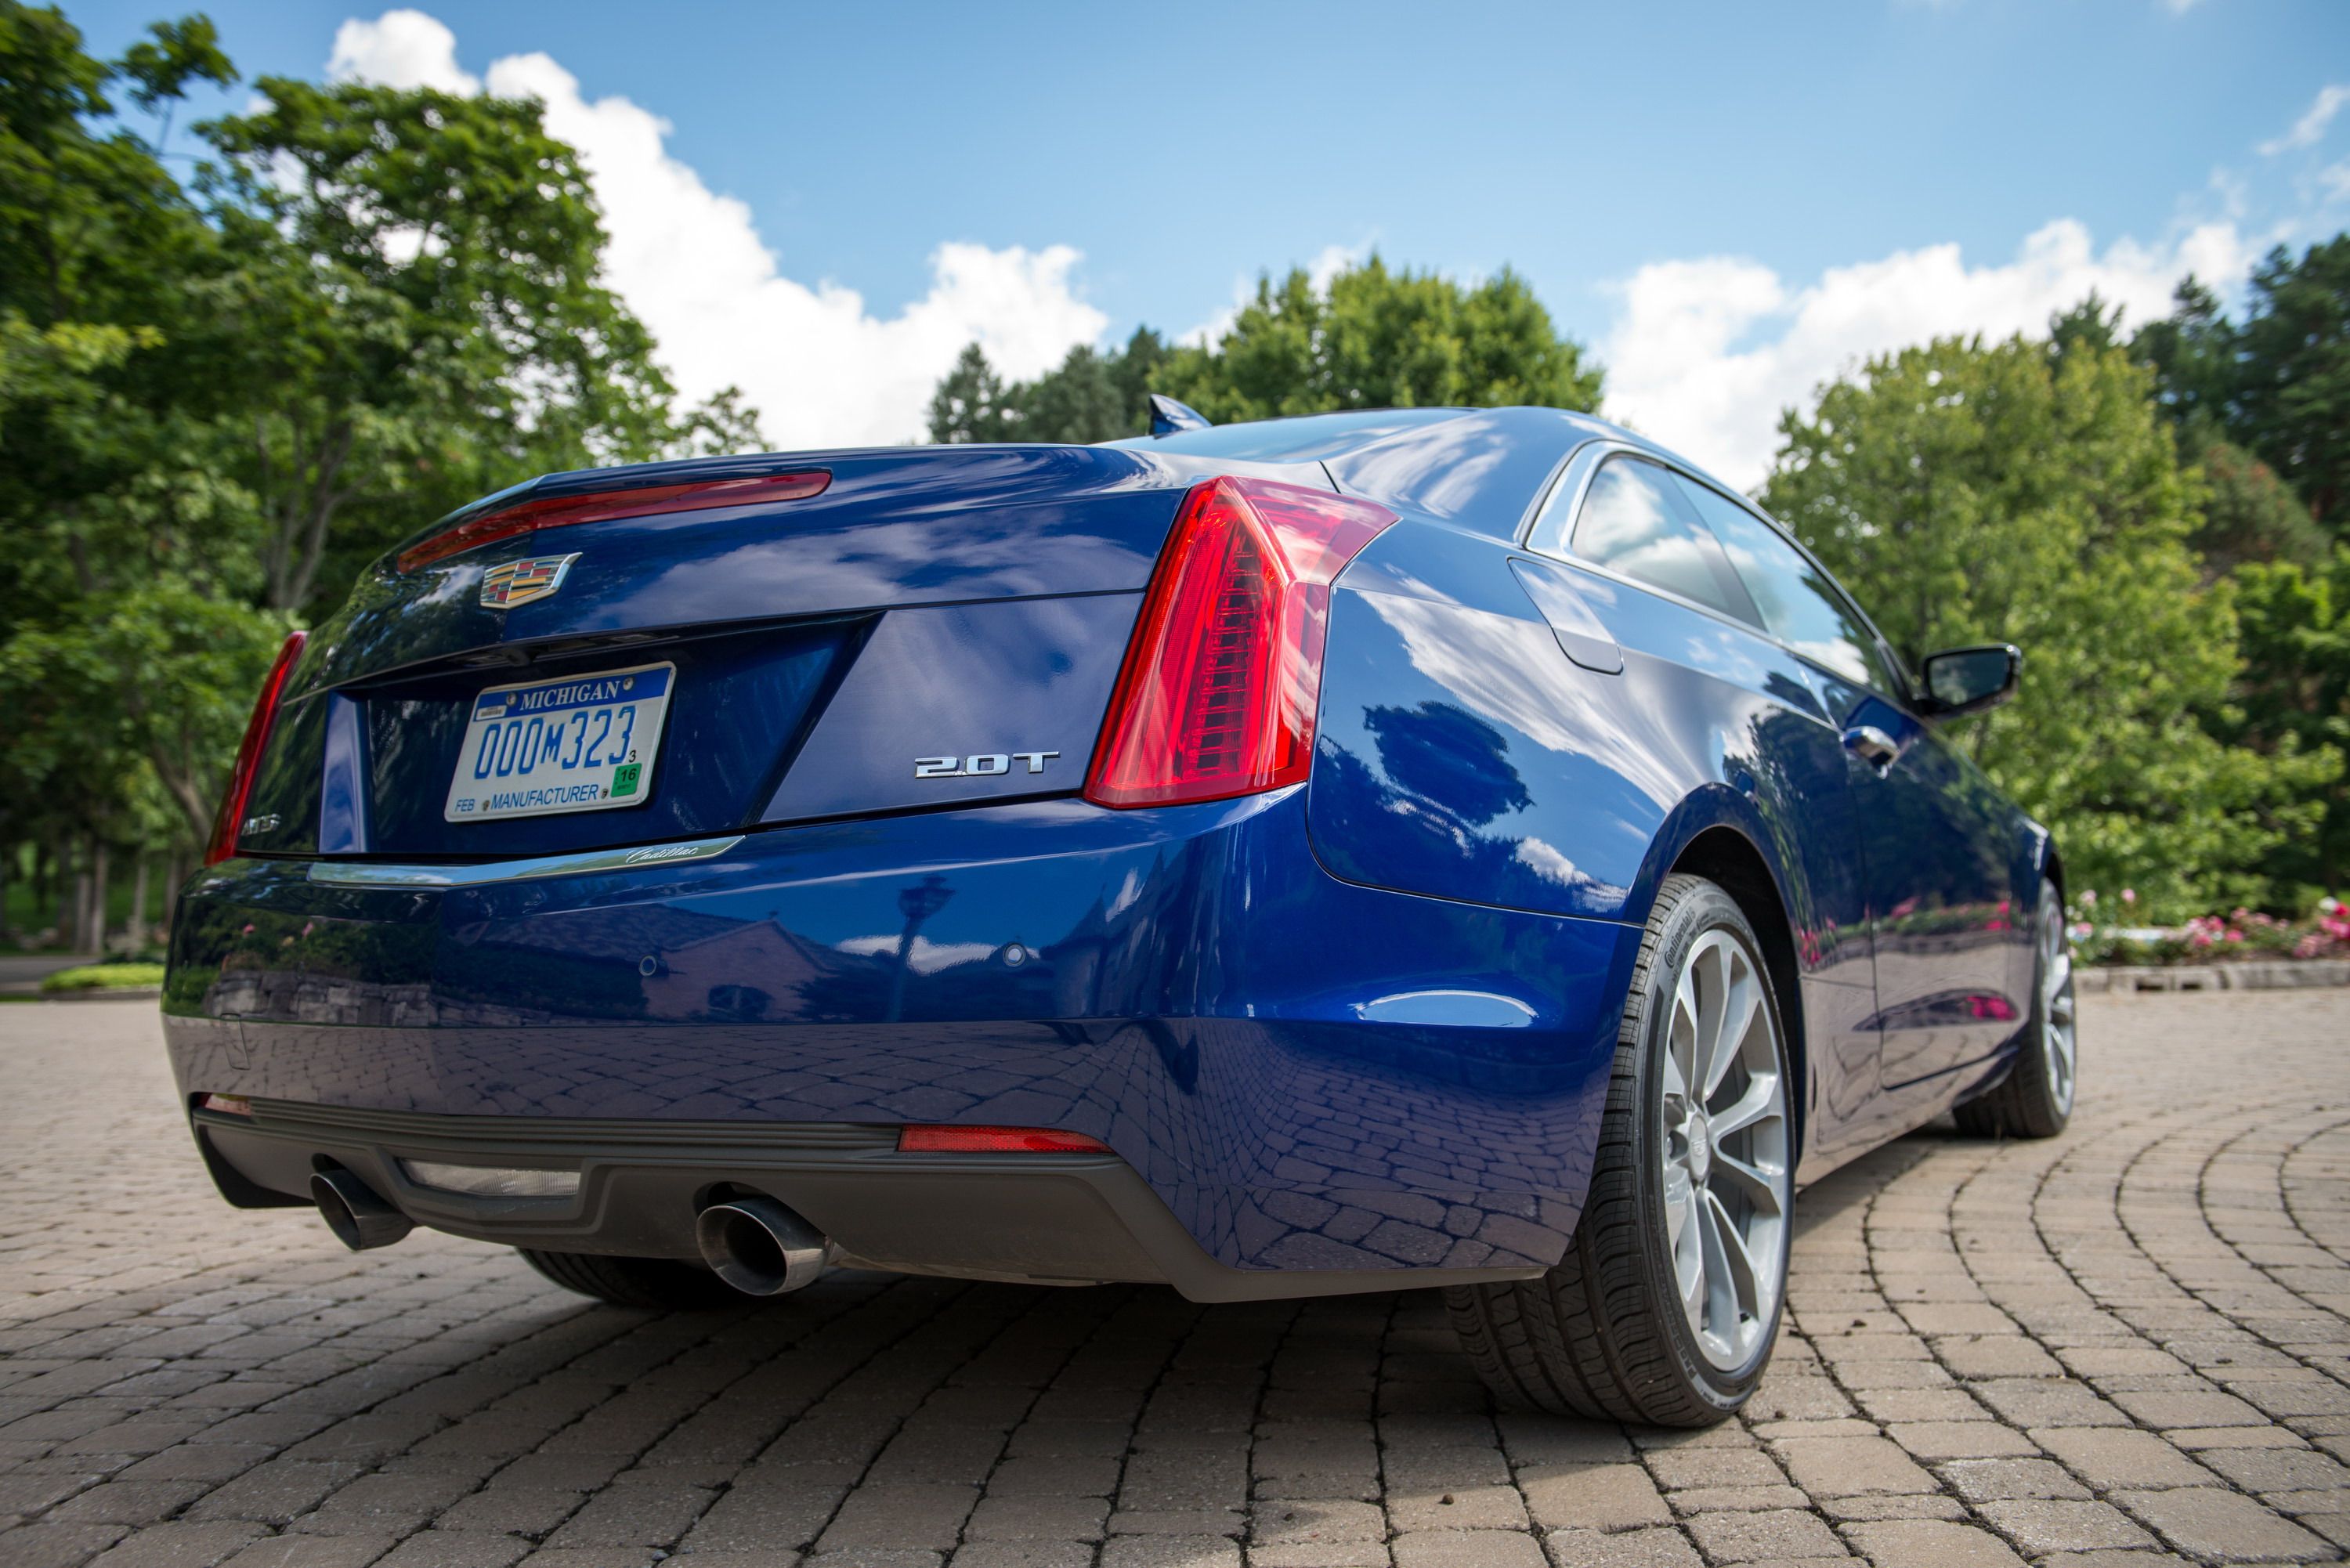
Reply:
x=663, y=1284
x=2035, y=1098
x=1666, y=1306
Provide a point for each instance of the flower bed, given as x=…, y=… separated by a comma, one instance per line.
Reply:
x=2237, y=937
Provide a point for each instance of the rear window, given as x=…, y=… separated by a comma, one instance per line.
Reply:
x=1306, y=438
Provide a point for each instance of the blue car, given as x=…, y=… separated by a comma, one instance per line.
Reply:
x=1464, y=848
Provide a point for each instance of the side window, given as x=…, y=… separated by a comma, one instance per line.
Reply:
x=1635, y=520
x=1801, y=604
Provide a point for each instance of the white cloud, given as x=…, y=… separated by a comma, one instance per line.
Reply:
x=2311, y=125
x=820, y=368
x=1703, y=354
x=400, y=49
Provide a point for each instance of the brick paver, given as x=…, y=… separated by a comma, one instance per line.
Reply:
x=2128, y=1345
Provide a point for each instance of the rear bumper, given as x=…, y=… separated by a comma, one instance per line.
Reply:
x=1299, y=1077
x=1036, y=1219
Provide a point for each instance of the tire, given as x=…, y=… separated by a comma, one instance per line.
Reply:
x=2035, y=1098
x=1606, y=1333
x=659, y=1283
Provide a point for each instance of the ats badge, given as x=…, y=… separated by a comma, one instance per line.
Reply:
x=520, y=582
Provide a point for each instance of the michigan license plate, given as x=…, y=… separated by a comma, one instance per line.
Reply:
x=584, y=742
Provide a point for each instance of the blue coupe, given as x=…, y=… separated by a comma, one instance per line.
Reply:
x=1429, y=847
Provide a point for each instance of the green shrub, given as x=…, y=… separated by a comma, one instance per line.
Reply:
x=106, y=977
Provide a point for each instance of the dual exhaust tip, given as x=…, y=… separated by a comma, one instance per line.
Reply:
x=756, y=1244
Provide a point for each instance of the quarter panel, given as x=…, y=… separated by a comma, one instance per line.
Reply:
x=1463, y=755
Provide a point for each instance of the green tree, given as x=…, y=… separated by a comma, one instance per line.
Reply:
x=969, y=405
x=2295, y=697
x=1373, y=338
x=2295, y=387
x=219, y=396
x=2277, y=383
x=2249, y=513
x=417, y=316
x=1973, y=493
x=1381, y=338
x=1088, y=397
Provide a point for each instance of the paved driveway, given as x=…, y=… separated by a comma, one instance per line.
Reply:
x=2131, y=1342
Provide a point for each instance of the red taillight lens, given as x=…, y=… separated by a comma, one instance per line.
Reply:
x=995, y=1140
x=248, y=752
x=563, y=510
x=1218, y=693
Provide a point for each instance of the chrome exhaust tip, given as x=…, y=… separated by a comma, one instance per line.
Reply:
x=351, y=1209
x=760, y=1247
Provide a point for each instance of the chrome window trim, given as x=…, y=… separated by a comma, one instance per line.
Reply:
x=1574, y=481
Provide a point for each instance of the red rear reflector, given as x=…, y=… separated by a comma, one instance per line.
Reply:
x=1222, y=678
x=230, y=819
x=563, y=510
x=229, y=1104
x=995, y=1140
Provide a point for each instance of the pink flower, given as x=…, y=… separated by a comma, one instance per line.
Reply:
x=2129, y=895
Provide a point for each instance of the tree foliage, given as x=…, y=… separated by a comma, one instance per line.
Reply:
x=220, y=395
x=2293, y=696
x=1088, y=397
x=1372, y=338
x=2276, y=382
x=2030, y=492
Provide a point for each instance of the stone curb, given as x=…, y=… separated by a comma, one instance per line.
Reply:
x=2284, y=975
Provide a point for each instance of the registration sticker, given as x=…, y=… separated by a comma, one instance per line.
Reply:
x=581, y=743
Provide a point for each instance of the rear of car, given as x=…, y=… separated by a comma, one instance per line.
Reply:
x=884, y=858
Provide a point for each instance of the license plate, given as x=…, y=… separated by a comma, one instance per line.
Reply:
x=584, y=742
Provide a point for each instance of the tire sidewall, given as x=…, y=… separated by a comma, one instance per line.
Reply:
x=1708, y=908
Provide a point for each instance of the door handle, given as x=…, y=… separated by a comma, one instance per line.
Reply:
x=1873, y=746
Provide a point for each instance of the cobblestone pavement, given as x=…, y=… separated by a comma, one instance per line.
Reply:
x=2130, y=1345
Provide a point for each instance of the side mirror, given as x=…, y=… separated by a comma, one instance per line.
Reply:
x=1970, y=679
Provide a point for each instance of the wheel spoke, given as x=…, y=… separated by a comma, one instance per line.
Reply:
x=1740, y=1008
x=1682, y=1042
x=1697, y=1282
x=1743, y=1279
x=1759, y=1103
x=1760, y=1188
x=1678, y=1192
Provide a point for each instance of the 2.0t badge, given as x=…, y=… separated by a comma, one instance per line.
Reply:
x=522, y=582
x=984, y=765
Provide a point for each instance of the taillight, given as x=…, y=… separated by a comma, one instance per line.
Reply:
x=563, y=510
x=1221, y=680
x=248, y=752
x=995, y=1140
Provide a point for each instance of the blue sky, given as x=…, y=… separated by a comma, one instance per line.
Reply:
x=1724, y=201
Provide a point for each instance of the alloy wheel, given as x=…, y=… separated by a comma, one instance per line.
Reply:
x=1725, y=1151
x=2059, y=1043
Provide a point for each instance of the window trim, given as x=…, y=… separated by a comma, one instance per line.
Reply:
x=1573, y=483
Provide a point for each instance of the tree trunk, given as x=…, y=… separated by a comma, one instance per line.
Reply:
x=73, y=907
x=135, y=933
x=7, y=865
x=95, y=931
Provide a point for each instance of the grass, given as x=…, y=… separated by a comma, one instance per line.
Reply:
x=106, y=977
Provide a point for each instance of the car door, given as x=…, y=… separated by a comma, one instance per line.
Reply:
x=1934, y=850
x=1636, y=523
